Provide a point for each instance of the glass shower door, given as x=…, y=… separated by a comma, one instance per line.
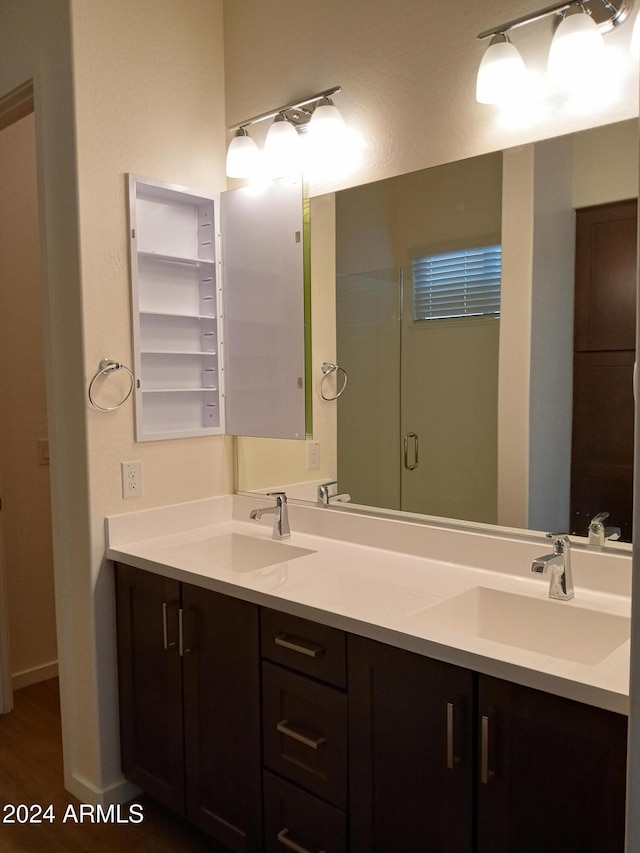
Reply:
x=368, y=312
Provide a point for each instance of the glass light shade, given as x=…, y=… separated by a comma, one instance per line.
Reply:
x=242, y=156
x=502, y=74
x=326, y=124
x=576, y=52
x=282, y=149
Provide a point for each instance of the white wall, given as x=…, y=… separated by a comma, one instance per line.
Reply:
x=26, y=508
x=408, y=75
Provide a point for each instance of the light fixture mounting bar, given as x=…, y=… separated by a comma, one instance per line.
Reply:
x=292, y=106
x=618, y=13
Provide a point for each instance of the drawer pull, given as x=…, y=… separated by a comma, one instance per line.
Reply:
x=303, y=647
x=285, y=729
x=286, y=841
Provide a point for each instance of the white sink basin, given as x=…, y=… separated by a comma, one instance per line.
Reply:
x=546, y=627
x=237, y=553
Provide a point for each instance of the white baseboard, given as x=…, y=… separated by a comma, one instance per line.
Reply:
x=35, y=674
x=119, y=792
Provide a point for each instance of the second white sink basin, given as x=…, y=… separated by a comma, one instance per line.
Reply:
x=237, y=553
x=543, y=626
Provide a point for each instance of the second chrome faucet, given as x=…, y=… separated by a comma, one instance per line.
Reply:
x=558, y=566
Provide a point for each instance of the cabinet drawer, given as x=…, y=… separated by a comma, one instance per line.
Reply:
x=298, y=821
x=308, y=647
x=305, y=733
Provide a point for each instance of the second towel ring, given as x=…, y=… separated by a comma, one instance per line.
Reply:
x=107, y=366
x=327, y=369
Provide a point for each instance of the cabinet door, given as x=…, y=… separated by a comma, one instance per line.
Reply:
x=222, y=717
x=264, y=311
x=552, y=773
x=410, y=752
x=150, y=681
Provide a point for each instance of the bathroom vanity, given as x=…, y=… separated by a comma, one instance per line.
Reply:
x=312, y=703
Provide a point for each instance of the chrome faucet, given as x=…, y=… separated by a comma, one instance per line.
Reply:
x=324, y=490
x=599, y=534
x=558, y=564
x=281, y=529
x=326, y=496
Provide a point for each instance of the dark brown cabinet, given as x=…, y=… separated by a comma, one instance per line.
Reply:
x=190, y=703
x=349, y=744
x=551, y=774
x=305, y=752
x=410, y=751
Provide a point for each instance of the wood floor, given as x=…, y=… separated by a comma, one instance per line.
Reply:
x=31, y=773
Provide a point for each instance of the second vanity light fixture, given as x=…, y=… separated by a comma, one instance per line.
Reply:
x=316, y=116
x=576, y=48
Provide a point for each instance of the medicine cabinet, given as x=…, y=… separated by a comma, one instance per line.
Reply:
x=217, y=310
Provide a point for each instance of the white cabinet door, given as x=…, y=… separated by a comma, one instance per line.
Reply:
x=263, y=283
x=188, y=380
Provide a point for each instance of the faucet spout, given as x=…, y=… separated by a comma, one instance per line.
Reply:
x=281, y=529
x=558, y=566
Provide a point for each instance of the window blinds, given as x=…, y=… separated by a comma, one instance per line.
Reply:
x=464, y=283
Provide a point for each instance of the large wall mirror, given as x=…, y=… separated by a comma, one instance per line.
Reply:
x=519, y=415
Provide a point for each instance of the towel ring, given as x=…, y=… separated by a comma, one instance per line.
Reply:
x=328, y=368
x=107, y=366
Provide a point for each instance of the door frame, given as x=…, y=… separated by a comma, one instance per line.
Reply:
x=14, y=106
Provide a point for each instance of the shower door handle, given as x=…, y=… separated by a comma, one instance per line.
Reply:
x=408, y=437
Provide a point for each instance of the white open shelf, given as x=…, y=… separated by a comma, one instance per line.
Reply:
x=175, y=311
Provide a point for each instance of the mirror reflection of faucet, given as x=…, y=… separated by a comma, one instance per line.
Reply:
x=328, y=493
x=599, y=534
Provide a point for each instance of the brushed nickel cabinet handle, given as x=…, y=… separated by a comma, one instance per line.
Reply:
x=303, y=647
x=486, y=775
x=165, y=627
x=182, y=651
x=452, y=759
x=285, y=728
x=285, y=839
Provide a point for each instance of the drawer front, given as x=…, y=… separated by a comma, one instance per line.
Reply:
x=307, y=647
x=305, y=733
x=298, y=821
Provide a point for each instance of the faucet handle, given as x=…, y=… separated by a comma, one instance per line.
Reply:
x=560, y=541
x=281, y=497
x=597, y=520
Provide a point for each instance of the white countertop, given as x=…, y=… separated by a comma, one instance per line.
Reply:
x=346, y=578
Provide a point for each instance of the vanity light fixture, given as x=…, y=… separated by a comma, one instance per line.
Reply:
x=242, y=155
x=316, y=113
x=577, y=49
x=282, y=147
x=501, y=73
x=577, y=44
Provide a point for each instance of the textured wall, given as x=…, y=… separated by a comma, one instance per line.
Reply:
x=408, y=74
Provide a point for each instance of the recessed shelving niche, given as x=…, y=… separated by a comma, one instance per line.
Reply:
x=176, y=311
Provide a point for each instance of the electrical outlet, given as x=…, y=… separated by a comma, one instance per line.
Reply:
x=313, y=455
x=131, y=479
